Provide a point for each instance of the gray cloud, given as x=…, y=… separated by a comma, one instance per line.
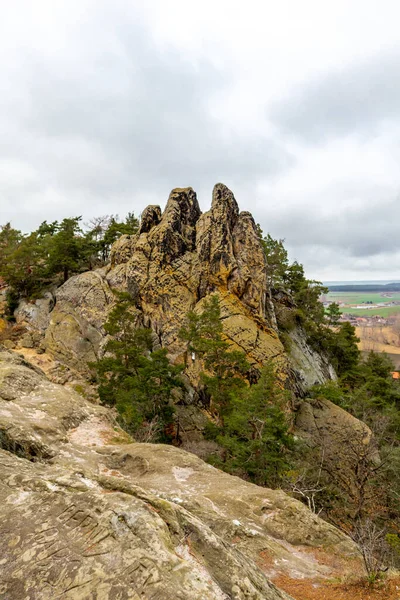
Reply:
x=357, y=99
x=122, y=123
x=103, y=110
x=361, y=232
x=355, y=238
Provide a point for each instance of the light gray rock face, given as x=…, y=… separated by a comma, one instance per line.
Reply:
x=35, y=314
x=84, y=514
x=178, y=258
x=310, y=368
x=75, y=331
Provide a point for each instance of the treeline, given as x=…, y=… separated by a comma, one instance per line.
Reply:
x=373, y=287
x=297, y=303
x=55, y=251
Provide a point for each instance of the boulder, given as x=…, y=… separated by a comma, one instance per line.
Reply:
x=346, y=449
x=26, y=341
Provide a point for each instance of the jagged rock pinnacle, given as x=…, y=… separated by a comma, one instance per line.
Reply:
x=179, y=257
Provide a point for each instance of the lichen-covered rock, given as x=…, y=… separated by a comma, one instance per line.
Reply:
x=66, y=536
x=26, y=341
x=75, y=332
x=86, y=514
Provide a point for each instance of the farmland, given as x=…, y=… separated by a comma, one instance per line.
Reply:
x=376, y=316
x=372, y=303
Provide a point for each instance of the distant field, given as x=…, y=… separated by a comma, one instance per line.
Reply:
x=380, y=312
x=380, y=339
x=353, y=299
x=361, y=297
x=373, y=336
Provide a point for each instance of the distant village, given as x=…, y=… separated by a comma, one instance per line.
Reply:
x=365, y=321
x=372, y=321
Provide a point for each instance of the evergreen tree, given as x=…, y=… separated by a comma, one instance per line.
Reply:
x=277, y=258
x=137, y=381
x=114, y=230
x=305, y=292
x=223, y=368
x=67, y=250
x=256, y=433
x=9, y=241
x=333, y=314
x=343, y=349
x=23, y=264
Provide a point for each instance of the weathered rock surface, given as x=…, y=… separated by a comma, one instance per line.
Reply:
x=85, y=514
x=310, y=368
x=178, y=258
x=35, y=313
x=345, y=444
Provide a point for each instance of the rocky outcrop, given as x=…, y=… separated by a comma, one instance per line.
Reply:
x=346, y=449
x=178, y=258
x=86, y=514
x=308, y=366
x=35, y=313
x=75, y=330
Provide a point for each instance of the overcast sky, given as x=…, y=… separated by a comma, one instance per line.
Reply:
x=106, y=105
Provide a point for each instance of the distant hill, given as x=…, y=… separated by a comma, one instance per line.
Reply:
x=360, y=282
x=365, y=287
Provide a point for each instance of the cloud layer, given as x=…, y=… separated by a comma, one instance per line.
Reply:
x=105, y=107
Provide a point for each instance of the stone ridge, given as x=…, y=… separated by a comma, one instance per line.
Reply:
x=227, y=250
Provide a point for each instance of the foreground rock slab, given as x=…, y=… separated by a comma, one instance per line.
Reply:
x=63, y=536
x=84, y=515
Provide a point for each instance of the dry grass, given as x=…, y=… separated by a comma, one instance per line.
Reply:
x=384, y=338
x=305, y=589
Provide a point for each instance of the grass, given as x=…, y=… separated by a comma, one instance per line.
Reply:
x=362, y=312
x=353, y=299
x=121, y=437
x=361, y=297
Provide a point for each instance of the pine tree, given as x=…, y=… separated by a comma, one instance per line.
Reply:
x=223, y=368
x=67, y=250
x=333, y=314
x=138, y=382
x=23, y=264
x=256, y=432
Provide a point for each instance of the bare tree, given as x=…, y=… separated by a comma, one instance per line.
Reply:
x=375, y=550
x=309, y=488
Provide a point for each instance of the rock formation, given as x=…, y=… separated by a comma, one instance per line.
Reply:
x=176, y=260
x=346, y=447
x=86, y=514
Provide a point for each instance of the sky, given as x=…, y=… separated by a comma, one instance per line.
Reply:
x=105, y=106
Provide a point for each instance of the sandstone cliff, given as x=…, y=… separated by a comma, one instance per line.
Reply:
x=84, y=514
x=177, y=259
